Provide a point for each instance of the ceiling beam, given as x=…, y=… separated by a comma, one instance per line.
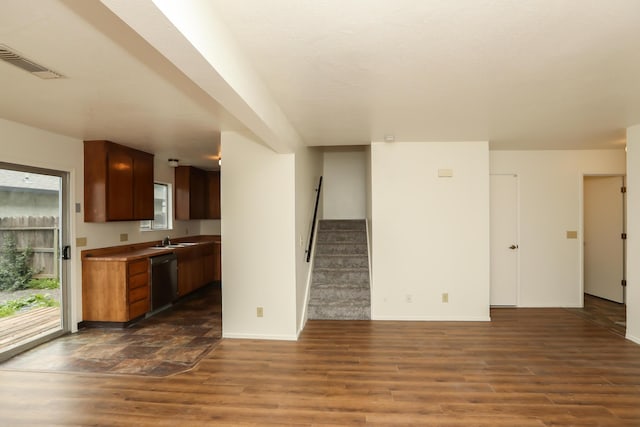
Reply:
x=193, y=38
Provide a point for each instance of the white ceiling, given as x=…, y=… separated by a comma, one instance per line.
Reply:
x=522, y=74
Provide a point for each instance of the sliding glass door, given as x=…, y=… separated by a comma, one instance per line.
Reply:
x=33, y=276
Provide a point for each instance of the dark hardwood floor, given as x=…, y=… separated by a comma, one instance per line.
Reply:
x=528, y=367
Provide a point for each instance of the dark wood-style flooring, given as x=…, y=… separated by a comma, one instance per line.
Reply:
x=528, y=367
x=171, y=341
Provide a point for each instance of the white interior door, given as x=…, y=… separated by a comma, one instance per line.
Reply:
x=603, y=245
x=504, y=240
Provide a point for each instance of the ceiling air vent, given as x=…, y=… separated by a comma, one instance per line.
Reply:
x=12, y=57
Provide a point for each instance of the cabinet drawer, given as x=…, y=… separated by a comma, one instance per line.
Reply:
x=138, y=293
x=137, y=267
x=138, y=280
x=138, y=308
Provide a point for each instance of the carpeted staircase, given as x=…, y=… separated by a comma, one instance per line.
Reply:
x=340, y=278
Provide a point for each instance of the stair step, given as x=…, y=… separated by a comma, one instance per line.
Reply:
x=342, y=224
x=341, y=261
x=331, y=312
x=342, y=236
x=340, y=295
x=344, y=276
x=341, y=248
x=336, y=285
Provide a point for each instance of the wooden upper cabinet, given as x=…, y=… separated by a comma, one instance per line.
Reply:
x=118, y=183
x=197, y=193
x=143, y=185
x=213, y=189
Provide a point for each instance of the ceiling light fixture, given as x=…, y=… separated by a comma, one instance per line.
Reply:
x=173, y=163
x=389, y=138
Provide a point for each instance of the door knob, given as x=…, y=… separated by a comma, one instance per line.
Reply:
x=513, y=247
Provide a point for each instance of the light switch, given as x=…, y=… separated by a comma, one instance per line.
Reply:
x=572, y=234
x=445, y=173
x=81, y=241
x=124, y=237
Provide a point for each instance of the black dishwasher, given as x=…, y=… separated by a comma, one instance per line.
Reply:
x=164, y=280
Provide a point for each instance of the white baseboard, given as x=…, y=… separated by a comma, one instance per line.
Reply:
x=241, y=336
x=434, y=318
x=633, y=338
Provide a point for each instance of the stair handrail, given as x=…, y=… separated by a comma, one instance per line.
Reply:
x=313, y=221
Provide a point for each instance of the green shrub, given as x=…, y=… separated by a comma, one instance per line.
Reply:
x=15, y=266
x=9, y=308
x=43, y=283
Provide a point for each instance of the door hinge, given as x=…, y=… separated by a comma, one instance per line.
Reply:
x=623, y=189
x=624, y=282
x=624, y=236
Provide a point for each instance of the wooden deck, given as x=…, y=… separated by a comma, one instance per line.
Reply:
x=22, y=327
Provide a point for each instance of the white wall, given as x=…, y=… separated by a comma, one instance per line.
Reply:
x=633, y=231
x=258, y=240
x=344, y=185
x=369, y=210
x=431, y=234
x=550, y=205
x=210, y=226
x=308, y=170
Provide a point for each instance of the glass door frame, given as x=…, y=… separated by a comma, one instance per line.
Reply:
x=64, y=265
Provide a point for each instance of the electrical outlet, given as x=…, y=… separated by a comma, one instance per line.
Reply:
x=445, y=297
x=259, y=311
x=408, y=298
x=124, y=237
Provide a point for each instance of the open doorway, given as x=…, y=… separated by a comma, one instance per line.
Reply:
x=604, y=248
x=33, y=229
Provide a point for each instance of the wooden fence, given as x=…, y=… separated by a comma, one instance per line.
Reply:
x=41, y=234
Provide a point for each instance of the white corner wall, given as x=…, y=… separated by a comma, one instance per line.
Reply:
x=369, y=211
x=344, y=185
x=431, y=234
x=550, y=204
x=308, y=170
x=258, y=240
x=633, y=231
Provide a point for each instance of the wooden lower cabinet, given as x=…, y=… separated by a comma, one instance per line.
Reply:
x=198, y=266
x=190, y=271
x=114, y=291
x=117, y=289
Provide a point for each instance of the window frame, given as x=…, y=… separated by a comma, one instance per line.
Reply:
x=150, y=224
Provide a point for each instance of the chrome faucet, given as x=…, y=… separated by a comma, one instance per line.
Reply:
x=166, y=241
